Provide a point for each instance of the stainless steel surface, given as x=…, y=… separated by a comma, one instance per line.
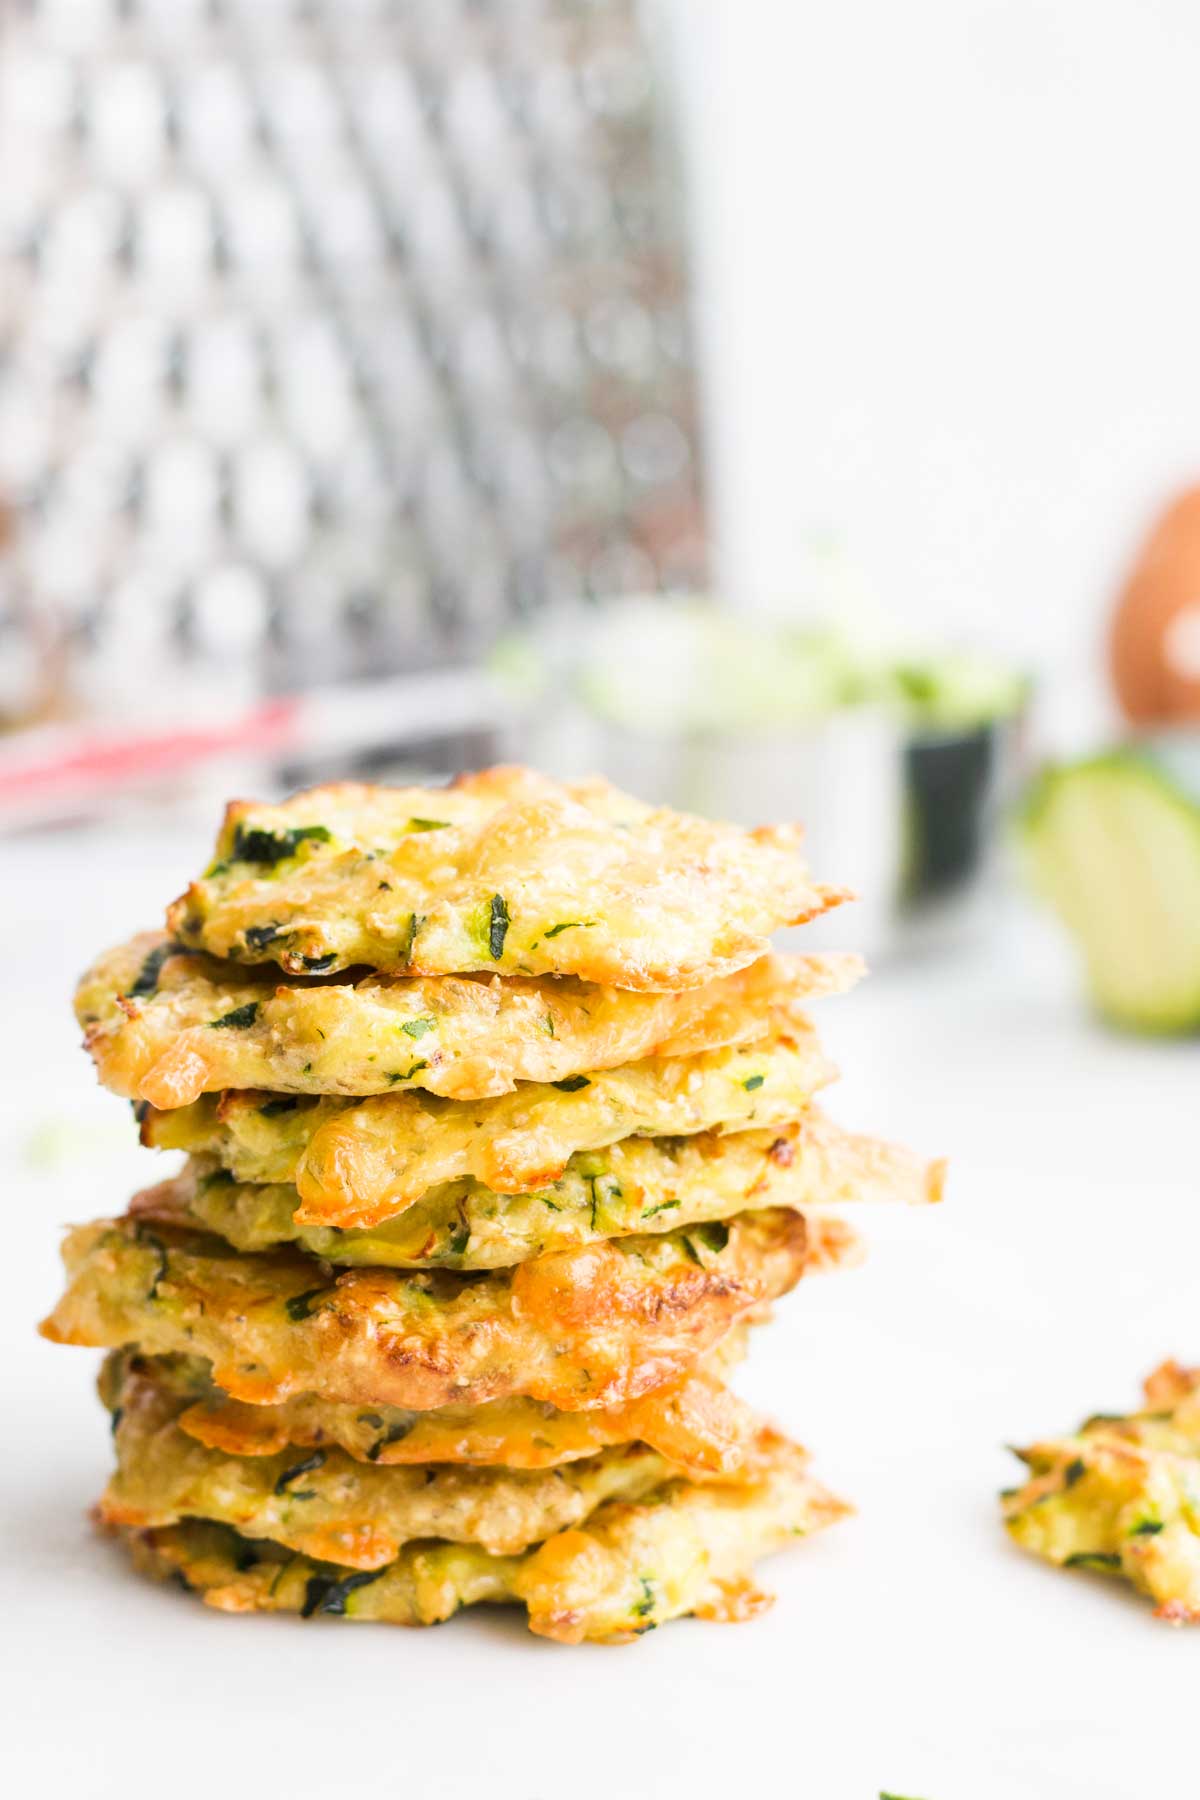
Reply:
x=334, y=334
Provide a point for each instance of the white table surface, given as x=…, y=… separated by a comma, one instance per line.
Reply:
x=911, y=1648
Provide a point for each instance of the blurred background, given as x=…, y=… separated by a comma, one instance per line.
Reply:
x=769, y=406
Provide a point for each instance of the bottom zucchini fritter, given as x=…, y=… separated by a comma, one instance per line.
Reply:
x=1122, y=1496
x=585, y=1328
x=696, y=1422
x=324, y=1504
x=681, y=1549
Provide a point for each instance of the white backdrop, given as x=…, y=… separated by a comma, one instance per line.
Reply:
x=949, y=265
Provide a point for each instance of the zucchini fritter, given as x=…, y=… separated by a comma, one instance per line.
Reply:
x=637, y=1185
x=697, y=1422
x=584, y=1328
x=1122, y=1496
x=167, y=1027
x=504, y=871
x=684, y=1549
x=327, y=1505
x=357, y=1163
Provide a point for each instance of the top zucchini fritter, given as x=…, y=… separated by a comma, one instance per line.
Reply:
x=503, y=871
x=166, y=1026
x=585, y=1328
x=1122, y=1496
x=357, y=1163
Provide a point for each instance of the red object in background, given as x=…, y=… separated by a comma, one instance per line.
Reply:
x=1155, y=645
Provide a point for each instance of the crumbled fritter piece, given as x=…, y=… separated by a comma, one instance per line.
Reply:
x=357, y=1163
x=503, y=871
x=1122, y=1496
x=583, y=1328
x=684, y=1549
x=157, y=1021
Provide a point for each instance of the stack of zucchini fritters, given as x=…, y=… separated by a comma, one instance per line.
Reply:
x=483, y=1196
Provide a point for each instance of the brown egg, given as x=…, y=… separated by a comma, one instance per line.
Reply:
x=1155, y=644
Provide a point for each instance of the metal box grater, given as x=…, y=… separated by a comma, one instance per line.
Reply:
x=333, y=335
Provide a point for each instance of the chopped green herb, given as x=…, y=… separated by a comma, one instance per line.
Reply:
x=327, y=1594
x=415, y=922
x=220, y=867
x=663, y=1206
x=259, y=936
x=307, y=1069
x=1147, y=1528
x=315, y=1461
x=392, y=1435
x=571, y=1084
x=549, y=1023
x=498, y=927
x=599, y=1198
x=238, y=1019
x=570, y=925
x=1093, y=1559
x=1074, y=1471
x=151, y=969
x=753, y=1081
x=712, y=1238
x=416, y=1028
x=395, y=1075
x=256, y=844
x=460, y=1237
x=282, y=1103
x=317, y=965
x=428, y=824
x=160, y=1249
x=645, y=1605
x=300, y=1306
